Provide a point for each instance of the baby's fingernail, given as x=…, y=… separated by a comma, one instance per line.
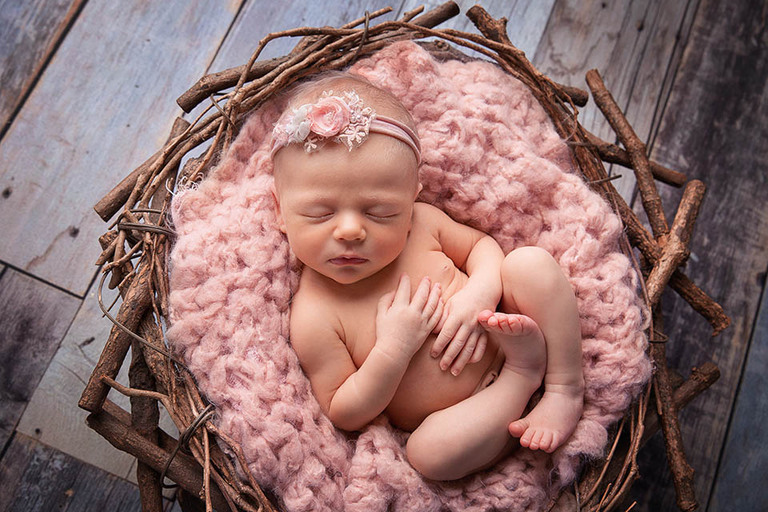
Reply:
x=455, y=372
x=443, y=366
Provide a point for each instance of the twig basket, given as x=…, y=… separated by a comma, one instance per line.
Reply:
x=137, y=243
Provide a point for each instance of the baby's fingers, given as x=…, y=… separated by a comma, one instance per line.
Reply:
x=433, y=302
x=445, y=335
x=403, y=291
x=467, y=353
x=422, y=295
x=441, y=321
x=459, y=341
x=385, y=302
x=482, y=343
x=437, y=313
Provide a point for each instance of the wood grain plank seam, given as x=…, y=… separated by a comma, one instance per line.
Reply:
x=226, y=35
x=8, y=443
x=670, y=75
x=737, y=391
x=70, y=18
x=44, y=281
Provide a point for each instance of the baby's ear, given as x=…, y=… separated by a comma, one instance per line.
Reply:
x=278, y=212
x=419, y=189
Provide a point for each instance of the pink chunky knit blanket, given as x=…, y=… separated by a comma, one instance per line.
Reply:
x=492, y=159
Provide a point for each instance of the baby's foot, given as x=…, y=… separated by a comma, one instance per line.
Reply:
x=552, y=421
x=521, y=340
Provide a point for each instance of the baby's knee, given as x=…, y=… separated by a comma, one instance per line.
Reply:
x=532, y=268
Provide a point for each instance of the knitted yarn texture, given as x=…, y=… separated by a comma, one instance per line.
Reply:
x=491, y=159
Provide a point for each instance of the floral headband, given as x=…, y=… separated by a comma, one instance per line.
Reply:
x=341, y=118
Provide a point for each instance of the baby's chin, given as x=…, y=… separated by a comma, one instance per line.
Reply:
x=349, y=278
x=349, y=275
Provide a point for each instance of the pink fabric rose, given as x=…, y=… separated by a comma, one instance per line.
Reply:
x=329, y=116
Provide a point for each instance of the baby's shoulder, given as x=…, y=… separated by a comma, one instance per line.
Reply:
x=426, y=210
x=311, y=314
x=429, y=216
x=309, y=300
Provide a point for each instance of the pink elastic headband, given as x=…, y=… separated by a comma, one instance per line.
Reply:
x=340, y=118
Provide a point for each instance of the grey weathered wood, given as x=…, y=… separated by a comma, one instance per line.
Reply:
x=52, y=415
x=34, y=318
x=29, y=33
x=259, y=19
x=740, y=479
x=39, y=478
x=5, y=433
x=656, y=52
x=105, y=103
x=526, y=18
x=631, y=43
x=715, y=125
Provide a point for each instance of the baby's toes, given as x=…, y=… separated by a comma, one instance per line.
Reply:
x=518, y=428
x=500, y=323
x=547, y=441
x=527, y=438
x=493, y=322
x=488, y=321
x=484, y=316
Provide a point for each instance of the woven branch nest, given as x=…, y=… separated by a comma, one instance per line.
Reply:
x=136, y=246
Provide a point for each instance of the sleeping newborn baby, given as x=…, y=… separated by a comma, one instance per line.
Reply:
x=401, y=310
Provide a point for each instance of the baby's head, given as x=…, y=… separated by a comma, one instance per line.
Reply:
x=345, y=156
x=344, y=109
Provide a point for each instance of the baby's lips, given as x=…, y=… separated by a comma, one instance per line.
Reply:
x=348, y=260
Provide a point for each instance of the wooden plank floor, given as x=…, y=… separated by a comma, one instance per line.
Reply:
x=88, y=93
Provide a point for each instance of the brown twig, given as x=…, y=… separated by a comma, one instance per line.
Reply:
x=117, y=197
x=701, y=378
x=596, y=475
x=637, y=153
x=687, y=289
x=615, y=155
x=682, y=472
x=113, y=424
x=137, y=300
x=676, y=250
x=496, y=30
x=215, y=82
x=145, y=417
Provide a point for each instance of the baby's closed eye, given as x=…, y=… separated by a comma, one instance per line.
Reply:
x=317, y=213
x=382, y=213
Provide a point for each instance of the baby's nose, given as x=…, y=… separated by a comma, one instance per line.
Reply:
x=349, y=227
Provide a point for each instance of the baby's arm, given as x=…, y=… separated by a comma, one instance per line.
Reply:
x=461, y=338
x=352, y=397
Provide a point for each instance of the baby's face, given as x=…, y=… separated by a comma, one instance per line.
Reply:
x=347, y=214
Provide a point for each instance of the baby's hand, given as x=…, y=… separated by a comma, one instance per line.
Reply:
x=402, y=322
x=461, y=339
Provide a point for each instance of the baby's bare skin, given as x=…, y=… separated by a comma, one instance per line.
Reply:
x=396, y=312
x=425, y=387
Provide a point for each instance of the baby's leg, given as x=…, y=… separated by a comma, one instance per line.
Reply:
x=534, y=285
x=473, y=434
